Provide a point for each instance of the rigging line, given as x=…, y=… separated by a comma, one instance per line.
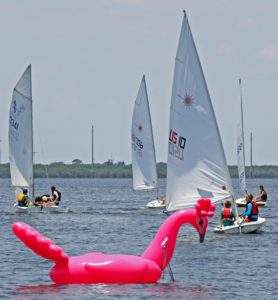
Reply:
x=42, y=153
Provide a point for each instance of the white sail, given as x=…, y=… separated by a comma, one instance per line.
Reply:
x=240, y=148
x=142, y=144
x=21, y=132
x=196, y=161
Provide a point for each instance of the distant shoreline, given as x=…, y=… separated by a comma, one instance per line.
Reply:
x=119, y=170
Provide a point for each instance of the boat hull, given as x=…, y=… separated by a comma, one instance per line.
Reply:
x=247, y=227
x=157, y=203
x=47, y=209
x=21, y=209
x=241, y=202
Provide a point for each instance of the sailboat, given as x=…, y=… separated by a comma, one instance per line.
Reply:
x=21, y=152
x=21, y=136
x=144, y=173
x=196, y=165
x=241, y=202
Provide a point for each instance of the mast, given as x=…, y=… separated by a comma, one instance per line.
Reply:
x=32, y=134
x=241, y=116
x=251, y=155
x=92, y=166
x=0, y=151
x=241, y=147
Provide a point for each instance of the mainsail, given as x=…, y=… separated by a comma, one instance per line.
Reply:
x=142, y=144
x=240, y=148
x=21, y=132
x=196, y=161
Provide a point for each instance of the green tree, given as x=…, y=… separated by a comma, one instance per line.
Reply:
x=77, y=162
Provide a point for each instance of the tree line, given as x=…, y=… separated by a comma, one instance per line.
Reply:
x=110, y=169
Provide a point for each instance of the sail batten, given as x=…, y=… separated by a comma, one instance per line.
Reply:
x=21, y=132
x=196, y=165
x=142, y=143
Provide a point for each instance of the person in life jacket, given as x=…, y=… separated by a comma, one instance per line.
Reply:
x=227, y=215
x=56, y=195
x=262, y=196
x=22, y=198
x=251, y=212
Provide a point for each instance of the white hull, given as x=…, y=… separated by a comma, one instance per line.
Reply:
x=53, y=208
x=48, y=209
x=248, y=227
x=157, y=203
x=21, y=209
x=241, y=202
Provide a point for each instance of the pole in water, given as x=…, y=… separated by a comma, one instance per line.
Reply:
x=171, y=273
x=251, y=155
x=92, y=167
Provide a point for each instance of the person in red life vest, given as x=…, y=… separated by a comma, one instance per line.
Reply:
x=251, y=212
x=227, y=215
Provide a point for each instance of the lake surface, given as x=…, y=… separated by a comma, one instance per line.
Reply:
x=106, y=215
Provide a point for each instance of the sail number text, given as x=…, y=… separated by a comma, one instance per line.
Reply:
x=137, y=145
x=176, y=144
x=14, y=123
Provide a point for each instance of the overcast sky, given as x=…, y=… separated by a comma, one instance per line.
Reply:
x=88, y=58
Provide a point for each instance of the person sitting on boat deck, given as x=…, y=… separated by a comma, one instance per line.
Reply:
x=262, y=194
x=56, y=195
x=42, y=200
x=22, y=198
x=227, y=215
x=251, y=210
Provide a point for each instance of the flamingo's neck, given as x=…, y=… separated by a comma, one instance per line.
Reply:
x=162, y=247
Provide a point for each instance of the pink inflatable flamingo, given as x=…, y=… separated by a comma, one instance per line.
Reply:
x=98, y=267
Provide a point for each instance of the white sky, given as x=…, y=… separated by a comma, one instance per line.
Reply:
x=88, y=58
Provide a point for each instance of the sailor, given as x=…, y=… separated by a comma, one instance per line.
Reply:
x=56, y=195
x=251, y=210
x=227, y=215
x=262, y=194
x=22, y=198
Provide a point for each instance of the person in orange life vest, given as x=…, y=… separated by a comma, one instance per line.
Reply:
x=251, y=210
x=227, y=215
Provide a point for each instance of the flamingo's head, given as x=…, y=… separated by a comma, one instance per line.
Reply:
x=204, y=209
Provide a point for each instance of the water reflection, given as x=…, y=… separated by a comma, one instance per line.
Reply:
x=147, y=291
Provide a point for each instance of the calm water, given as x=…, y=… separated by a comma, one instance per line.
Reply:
x=106, y=215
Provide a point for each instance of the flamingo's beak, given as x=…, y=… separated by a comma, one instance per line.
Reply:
x=202, y=237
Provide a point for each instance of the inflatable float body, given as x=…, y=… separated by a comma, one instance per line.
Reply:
x=98, y=267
